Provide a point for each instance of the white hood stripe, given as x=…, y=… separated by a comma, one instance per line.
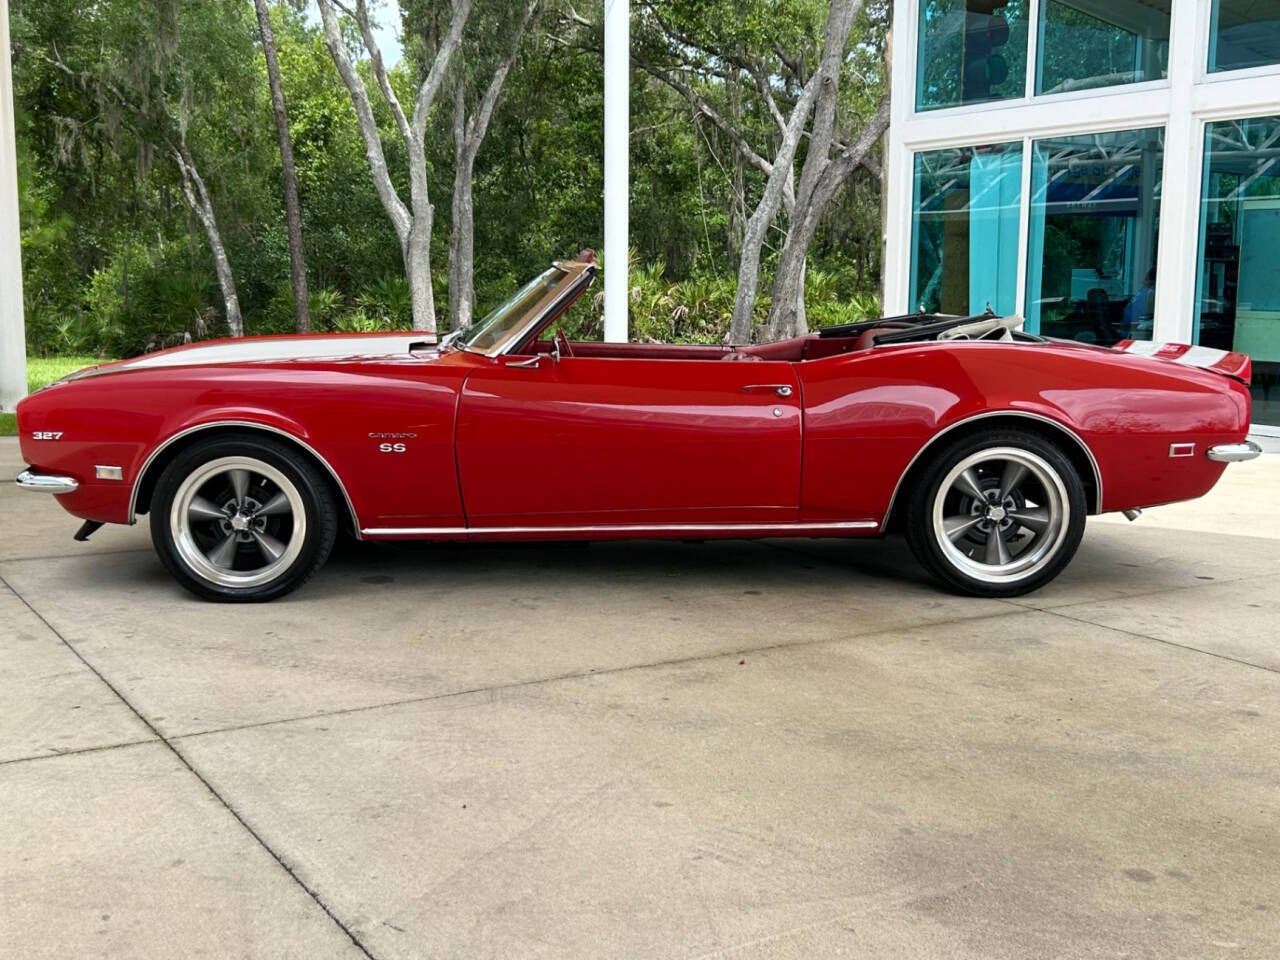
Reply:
x=319, y=348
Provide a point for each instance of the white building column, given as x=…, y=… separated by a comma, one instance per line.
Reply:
x=13, y=342
x=1176, y=267
x=899, y=185
x=617, y=182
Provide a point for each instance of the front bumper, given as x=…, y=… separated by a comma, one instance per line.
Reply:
x=1234, y=452
x=46, y=483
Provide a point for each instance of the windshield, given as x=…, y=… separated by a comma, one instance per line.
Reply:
x=499, y=324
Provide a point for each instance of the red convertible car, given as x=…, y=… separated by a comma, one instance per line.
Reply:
x=985, y=445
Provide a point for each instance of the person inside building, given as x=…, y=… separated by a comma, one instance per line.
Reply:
x=1139, y=313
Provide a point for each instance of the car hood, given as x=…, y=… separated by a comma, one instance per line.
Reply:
x=275, y=349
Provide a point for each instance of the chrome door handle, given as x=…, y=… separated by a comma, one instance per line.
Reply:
x=533, y=361
x=781, y=389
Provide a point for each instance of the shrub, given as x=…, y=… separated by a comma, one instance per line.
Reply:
x=387, y=300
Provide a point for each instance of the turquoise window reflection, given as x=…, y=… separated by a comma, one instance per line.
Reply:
x=964, y=229
x=1095, y=208
x=1238, y=285
x=971, y=51
x=1101, y=43
x=1243, y=33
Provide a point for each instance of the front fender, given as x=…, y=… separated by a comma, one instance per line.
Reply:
x=134, y=418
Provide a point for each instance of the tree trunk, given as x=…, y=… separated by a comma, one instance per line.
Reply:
x=788, y=282
x=193, y=189
x=744, y=300
x=737, y=200
x=786, y=308
x=417, y=245
x=801, y=325
x=288, y=176
x=417, y=270
x=758, y=224
x=462, y=293
x=412, y=223
x=468, y=135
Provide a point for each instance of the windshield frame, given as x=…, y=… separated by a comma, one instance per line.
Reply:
x=577, y=274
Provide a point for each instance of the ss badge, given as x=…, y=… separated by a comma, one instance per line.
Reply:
x=392, y=447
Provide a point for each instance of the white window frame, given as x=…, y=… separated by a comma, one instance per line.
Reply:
x=1182, y=104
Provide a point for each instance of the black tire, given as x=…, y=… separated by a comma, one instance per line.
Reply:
x=206, y=475
x=950, y=531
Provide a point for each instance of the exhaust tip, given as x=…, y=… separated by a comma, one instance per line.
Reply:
x=1133, y=514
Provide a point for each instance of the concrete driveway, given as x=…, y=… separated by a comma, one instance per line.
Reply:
x=793, y=749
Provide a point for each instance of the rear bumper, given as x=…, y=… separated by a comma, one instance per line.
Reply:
x=1233, y=452
x=46, y=483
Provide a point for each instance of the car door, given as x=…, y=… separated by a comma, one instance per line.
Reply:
x=588, y=441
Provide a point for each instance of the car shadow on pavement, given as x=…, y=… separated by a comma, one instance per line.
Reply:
x=731, y=563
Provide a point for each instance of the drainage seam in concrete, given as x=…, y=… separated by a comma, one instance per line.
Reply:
x=72, y=556
x=1168, y=643
x=100, y=748
x=845, y=565
x=584, y=674
x=1146, y=593
x=314, y=895
x=1028, y=608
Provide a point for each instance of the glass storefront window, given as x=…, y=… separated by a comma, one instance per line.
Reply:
x=964, y=227
x=1101, y=43
x=1244, y=33
x=971, y=51
x=1095, y=207
x=1238, y=285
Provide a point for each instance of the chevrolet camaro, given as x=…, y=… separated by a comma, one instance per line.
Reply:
x=985, y=445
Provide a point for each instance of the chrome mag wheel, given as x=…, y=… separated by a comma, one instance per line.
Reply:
x=238, y=521
x=1001, y=514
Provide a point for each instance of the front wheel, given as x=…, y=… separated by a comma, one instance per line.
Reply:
x=997, y=514
x=242, y=518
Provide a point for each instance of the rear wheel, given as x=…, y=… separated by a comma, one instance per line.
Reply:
x=242, y=519
x=997, y=514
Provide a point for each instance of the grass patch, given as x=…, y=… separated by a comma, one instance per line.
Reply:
x=42, y=371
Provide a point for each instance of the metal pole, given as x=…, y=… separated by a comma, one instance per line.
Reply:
x=617, y=184
x=13, y=344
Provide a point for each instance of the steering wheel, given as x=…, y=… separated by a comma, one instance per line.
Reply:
x=562, y=344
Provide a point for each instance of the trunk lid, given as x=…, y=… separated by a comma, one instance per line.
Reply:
x=1235, y=365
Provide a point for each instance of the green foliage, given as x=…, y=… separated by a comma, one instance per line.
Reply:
x=326, y=306
x=698, y=307
x=386, y=301
x=114, y=261
x=143, y=298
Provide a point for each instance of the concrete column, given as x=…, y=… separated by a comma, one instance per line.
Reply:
x=13, y=341
x=1176, y=266
x=617, y=183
